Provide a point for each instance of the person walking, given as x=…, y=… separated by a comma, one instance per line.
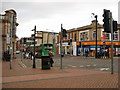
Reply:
x=51, y=59
x=24, y=55
x=86, y=53
x=31, y=55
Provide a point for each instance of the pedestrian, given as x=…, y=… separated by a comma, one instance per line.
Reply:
x=27, y=55
x=104, y=53
x=31, y=55
x=51, y=59
x=24, y=55
x=4, y=56
x=107, y=54
x=86, y=53
x=119, y=54
x=51, y=62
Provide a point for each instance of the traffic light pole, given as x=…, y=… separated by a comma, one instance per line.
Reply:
x=61, y=53
x=61, y=47
x=21, y=48
x=112, y=46
x=109, y=26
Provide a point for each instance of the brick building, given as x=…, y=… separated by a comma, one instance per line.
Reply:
x=8, y=23
x=84, y=38
x=41, y=37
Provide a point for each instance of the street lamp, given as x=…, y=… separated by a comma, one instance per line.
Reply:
x=34, y=65
x=96, y=35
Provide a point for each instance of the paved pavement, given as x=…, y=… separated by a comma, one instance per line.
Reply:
x=21, y=76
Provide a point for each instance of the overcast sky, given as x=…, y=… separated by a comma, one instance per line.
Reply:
x=48, y=15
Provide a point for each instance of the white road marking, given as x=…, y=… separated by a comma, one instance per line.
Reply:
x=81, y=66
x=94, y=65
x=88, y=65
x=65, y=67
x=38, y=59
x=104, y=69
x=70, y=65
x=22, y=64
x=74, y=66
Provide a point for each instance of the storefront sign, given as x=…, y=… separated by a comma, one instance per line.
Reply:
x=65, y=44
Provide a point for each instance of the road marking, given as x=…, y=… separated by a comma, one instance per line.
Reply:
x=65, y=67
x=104, y=69
x=38, y=59
x=88, y=65
x=74, y=66
x=81, y=66
x=70, y=65
x=94, y=65
x=22, y=64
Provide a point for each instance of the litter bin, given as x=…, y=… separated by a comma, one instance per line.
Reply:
x=8, y=57
x=46, y=63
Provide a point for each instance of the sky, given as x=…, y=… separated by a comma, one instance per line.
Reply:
x=48, y=15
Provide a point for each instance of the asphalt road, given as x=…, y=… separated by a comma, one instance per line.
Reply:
x=87, y=63
x=79, y=62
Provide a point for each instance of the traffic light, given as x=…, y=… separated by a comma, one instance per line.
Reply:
x=107, y=22
x=114, y=26
x=70, y=40
x=64, y=33
x=69, y=43
x=24, y=40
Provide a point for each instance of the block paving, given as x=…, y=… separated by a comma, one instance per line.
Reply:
x=27, y=77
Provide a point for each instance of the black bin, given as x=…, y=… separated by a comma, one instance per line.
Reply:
x=8, y=57
x=46, y=63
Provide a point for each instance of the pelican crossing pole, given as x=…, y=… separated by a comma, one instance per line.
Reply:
x=111, y=22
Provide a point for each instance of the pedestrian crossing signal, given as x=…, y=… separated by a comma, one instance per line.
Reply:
x=114, y=26
x=64, y=33
x=106, y=21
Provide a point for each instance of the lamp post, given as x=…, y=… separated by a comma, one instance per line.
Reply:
x=96, y=37
x=11, y=40
x=34, y=65
x=95, y=16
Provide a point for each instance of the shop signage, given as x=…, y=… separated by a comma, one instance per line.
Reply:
x=65, y=44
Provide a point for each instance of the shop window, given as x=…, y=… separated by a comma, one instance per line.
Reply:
x=94, y=35
x=115, y=36
x=84, y=36
x=75, y=37
x=107, y=36
x=70, y=35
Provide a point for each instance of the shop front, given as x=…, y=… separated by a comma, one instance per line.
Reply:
x=90, y=49
x=68, y=49
x=101, y=47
